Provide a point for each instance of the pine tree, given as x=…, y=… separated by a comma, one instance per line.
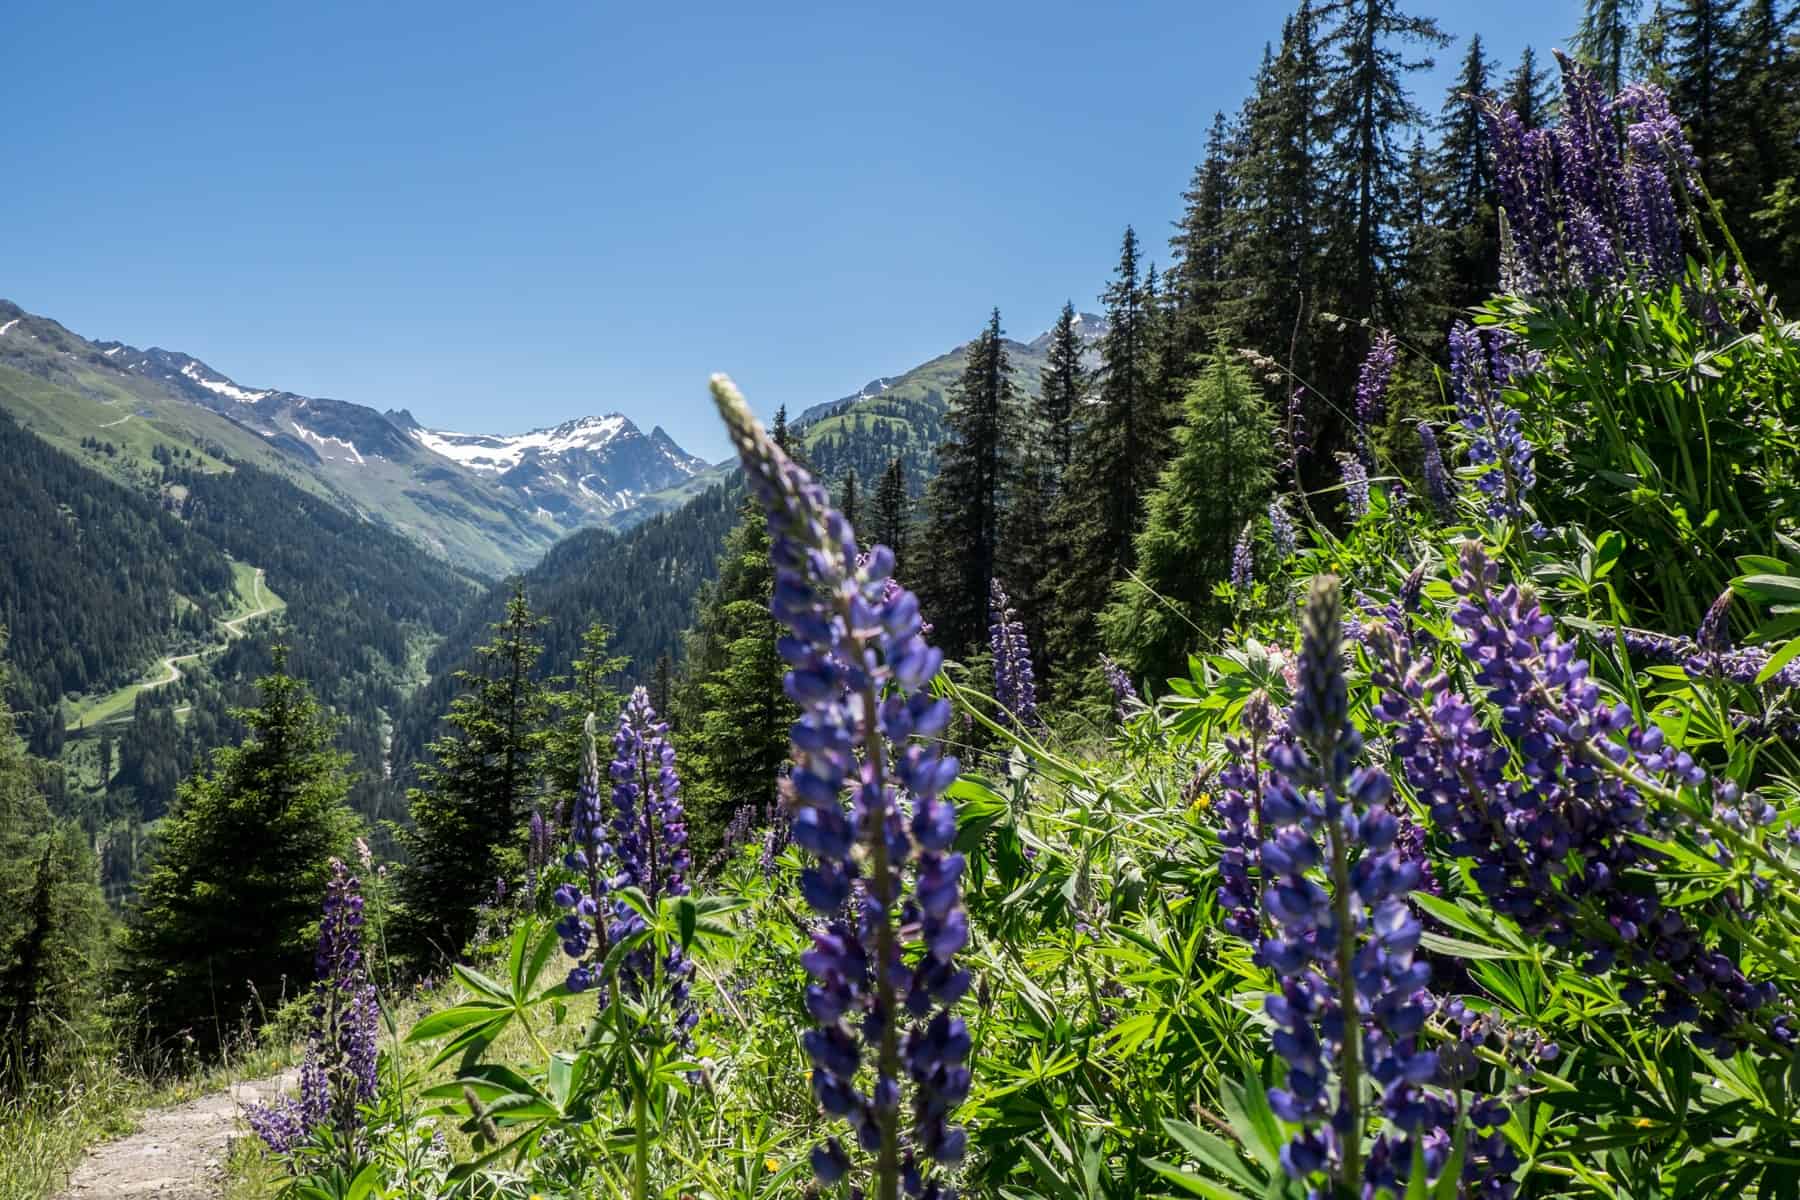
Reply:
x=1219, y=478
x=1202, y=245
x=1701, y=75
x=1604, y=39
x=1274, y=228
x=1114, y=465
x=966, y=502
x=591, y=689
x=1367, y=104
x=1528, y=90
x=52, y=918
x=223, y=926
x=475, y=792
x=1061, y=392
x=1468, y=215
x=847, y=503
x=1762, y=160
x=1423, y=238
x=662, y=686
x=734, y=711
x=891, y=507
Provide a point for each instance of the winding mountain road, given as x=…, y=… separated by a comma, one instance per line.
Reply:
x=233, y=628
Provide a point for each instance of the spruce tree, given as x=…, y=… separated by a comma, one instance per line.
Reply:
x=1202, y=245
x=1604, y=39
x=52, y=918
x=848, y=499
x=475, y=792
x=967, y=500
x=1062, y=390
x=1468, y=214
x=1114, y=465
x=590, y=688
x=1761, y=176
x=223, y=927
x=891, y=510
x=1273, y=229
x=1367, y=104
x=734, y=711
x=1701, y=74
x=1219, y=479
x=1528, y=90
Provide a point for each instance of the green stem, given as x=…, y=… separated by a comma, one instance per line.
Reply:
x=1350, y=1073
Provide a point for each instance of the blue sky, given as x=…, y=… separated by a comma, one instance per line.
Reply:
x=505, y=215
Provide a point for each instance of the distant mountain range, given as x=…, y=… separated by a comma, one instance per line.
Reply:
x=491, y=503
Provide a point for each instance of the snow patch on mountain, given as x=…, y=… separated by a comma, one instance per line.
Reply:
x=221, y=386
x=325, y=444
x=499, y=453
x=9, y=325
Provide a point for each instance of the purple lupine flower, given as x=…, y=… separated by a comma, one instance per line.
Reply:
x=1589, y=155
x=1739, y=665
x=1371, y=394
x=1340, y=935
x=1522, y=175
x=1438, y=488
x=1281, y=529
x=338, y=1074
x=1564, y=785
x=1125, y=695
x=860, y=670
x=649, y=848
x=1014, y=686
x=1243, y=559
x=1240, y=820
x=1497, y=446
x=1356, y=486
x=581, y=927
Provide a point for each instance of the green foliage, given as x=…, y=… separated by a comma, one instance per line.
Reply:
x=475, y=793
x=1669, y=416
x=224, y=922
x=1219, y=479
x=732, y=714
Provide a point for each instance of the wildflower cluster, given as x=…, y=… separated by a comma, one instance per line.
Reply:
x=1242, y=559
x=1335, y=925
x=1497, y=446
x=1119, y=681
x=1281, y=529
x=859, y=670
x=338, y=1074
x=1438, y=487
x=1584, y=206
x=1554, y=813
x=1356, y=486
x=1014, y=686
x=1371, y=394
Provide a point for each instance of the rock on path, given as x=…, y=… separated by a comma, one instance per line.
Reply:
x=177, y=1153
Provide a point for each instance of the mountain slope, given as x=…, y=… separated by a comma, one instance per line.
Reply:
x=383, y=467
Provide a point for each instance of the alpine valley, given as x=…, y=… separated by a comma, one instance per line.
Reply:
x=167, y=526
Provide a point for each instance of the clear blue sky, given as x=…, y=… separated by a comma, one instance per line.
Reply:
x=506, y=215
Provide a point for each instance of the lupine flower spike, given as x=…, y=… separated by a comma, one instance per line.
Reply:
x=884, y=976
x=338, y=1074
x=1014, y=686
x=1242, y=560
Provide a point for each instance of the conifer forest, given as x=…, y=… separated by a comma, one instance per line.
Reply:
x=1323, y=724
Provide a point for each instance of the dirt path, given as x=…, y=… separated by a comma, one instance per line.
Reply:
x=177, y=1153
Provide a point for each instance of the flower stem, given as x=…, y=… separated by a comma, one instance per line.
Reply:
x=1350, y=1073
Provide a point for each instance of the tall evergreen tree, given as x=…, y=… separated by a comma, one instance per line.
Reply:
x=1061, y=392
x=1468, y=215
x=1218, y=480
x=52, y=918
x=475, y=791
x=1763, y=152
x=1115, y=462
x=1202, y=245
x=1605, y=37
x=1273, y=260
x=1367, y=106
x=891, y=515
x=223, y=926
x=848, y=499
x=1528, y=90
x=591, y=687
x=966, y=502
x=735, y=714
x=1701, y=74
